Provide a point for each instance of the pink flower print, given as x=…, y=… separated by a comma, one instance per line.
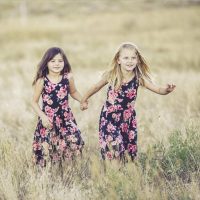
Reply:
x=112, y=96
x=132, y=148
x=118, y=140
x=134, y=123
x=63, y=131
x=62, y=144
x=73, y=139
x=131, y=135
x=110, y=128
x=103, y=122
x=36, y=146
x=131, y=105
x=109, y=138
x=67, y=115
x=109, y=155
x=58, y=121
x=49, y=101
x=65, y=105
x=70, y=138
x=54, y=140
x=73, y=129
x=127, y=114
x=55, y=157
x=124, y=127
x=37, y=133
x=43, y=132
x=119, y=100
x=102, y=143
x=46, y=98
x=111, y=109
x=62, y=93
x=131, y=93
x=119, y=107
x=68, y=154
x=49, y=111
x=49, y=88
x=116, y=116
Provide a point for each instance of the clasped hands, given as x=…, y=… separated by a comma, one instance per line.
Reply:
x=83, y=104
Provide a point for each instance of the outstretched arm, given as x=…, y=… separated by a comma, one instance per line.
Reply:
x=94, y=89
x=159, y=90
x=74, y=93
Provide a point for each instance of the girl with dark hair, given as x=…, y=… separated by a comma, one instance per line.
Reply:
x=57, y=136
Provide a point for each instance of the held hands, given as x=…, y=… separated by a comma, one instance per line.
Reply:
x=83, y=105
x=46, y=122
x=169, y=88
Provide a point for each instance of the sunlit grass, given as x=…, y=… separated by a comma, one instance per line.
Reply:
x=168, y=130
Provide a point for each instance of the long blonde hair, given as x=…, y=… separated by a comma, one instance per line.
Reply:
x=141, y=71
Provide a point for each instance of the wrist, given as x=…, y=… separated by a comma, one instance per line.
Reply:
x=83, y=100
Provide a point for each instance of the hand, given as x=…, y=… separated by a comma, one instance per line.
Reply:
x=170, y=88
x=84, y=105
x=46, y=122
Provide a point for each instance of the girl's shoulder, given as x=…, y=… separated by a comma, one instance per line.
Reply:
x=40, y=81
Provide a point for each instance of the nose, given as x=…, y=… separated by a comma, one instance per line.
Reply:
x=57, y=63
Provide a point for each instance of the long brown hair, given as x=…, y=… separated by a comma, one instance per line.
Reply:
x=141, y=71
x=42, y=69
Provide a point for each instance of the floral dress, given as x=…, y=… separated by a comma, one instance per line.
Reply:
x=117, y=125
x=64, y=140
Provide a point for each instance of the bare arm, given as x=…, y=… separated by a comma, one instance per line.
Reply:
x=159, y=90
x=74, y=93
x=38, y=87
x=94, y=89
x=37, y=90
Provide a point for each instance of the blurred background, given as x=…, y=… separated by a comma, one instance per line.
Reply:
x=167, y=33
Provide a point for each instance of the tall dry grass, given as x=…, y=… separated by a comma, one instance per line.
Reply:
x=89, y=32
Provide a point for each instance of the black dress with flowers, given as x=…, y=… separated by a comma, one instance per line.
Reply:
x=117, y=125
x=64, y=140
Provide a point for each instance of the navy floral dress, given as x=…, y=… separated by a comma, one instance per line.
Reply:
x=64, y=140
x=117, y=125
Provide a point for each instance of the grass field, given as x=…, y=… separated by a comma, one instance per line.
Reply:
x=168, y=35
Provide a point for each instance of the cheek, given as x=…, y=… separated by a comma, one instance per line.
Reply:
x=48, y=64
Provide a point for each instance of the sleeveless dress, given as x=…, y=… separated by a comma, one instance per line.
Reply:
x=117, y=124
x=64, y=140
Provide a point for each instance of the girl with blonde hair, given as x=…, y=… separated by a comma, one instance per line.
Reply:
x=117, y=124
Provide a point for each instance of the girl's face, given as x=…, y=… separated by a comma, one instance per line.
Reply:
x=127, y=59
x=56, y=64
